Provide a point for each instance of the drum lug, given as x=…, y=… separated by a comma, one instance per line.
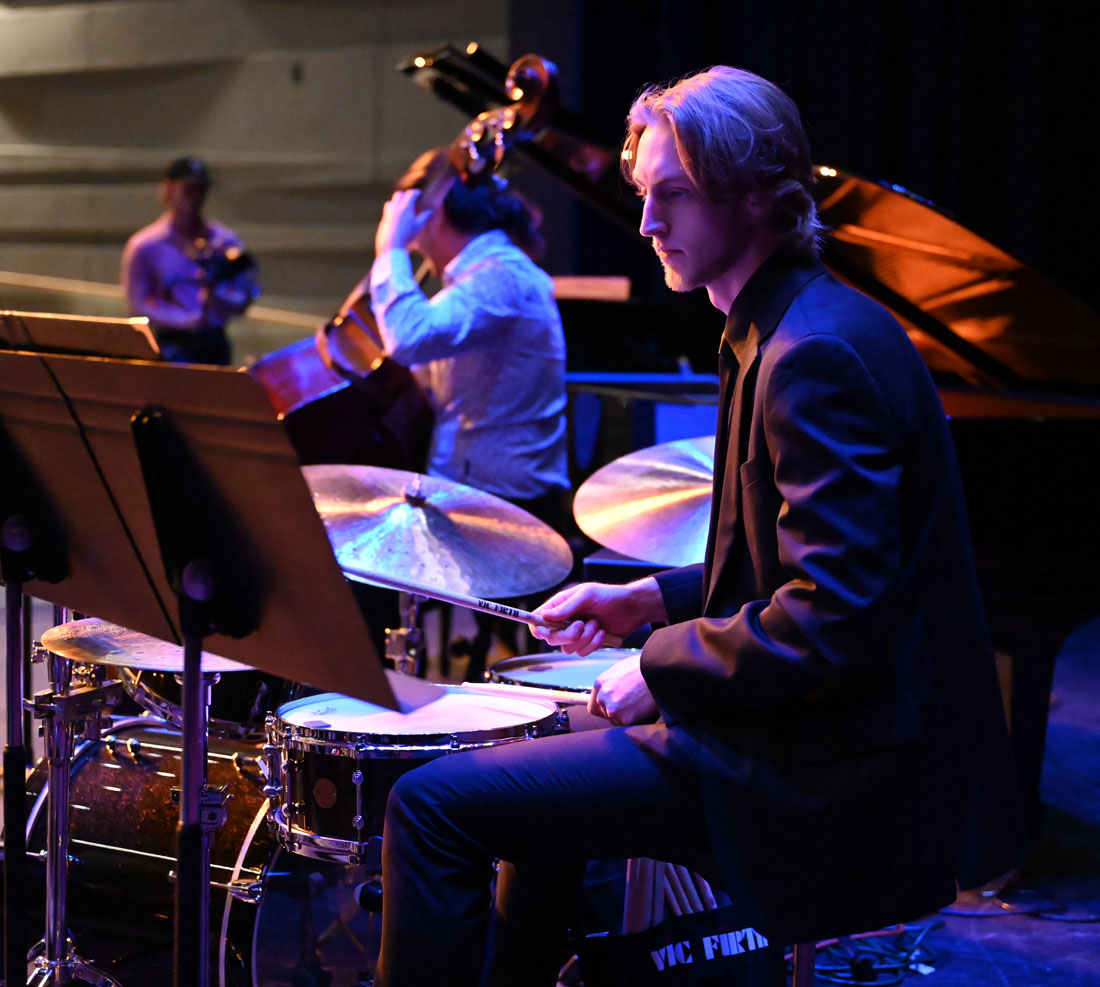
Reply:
x=357, y=821
x=130, y=747
x=43, y=855
x=250, y=891
x=270, y=754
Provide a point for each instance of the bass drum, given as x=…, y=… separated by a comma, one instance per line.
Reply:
x=276, y=918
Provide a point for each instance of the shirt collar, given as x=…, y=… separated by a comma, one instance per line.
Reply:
x=765, y=297
x=473, y=252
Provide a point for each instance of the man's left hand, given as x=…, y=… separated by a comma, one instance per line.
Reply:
x=621, y=695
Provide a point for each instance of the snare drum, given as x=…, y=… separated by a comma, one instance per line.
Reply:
x=553, y=670
x=336, y=759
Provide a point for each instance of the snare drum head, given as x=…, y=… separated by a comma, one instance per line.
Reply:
x=455, y=712
x=554, y=670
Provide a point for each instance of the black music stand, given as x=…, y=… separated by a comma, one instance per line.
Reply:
x=253, y=559
x=80, y=335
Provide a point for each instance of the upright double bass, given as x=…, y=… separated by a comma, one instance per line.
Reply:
x=343, y=399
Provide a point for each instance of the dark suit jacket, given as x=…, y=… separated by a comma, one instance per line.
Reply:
x=840, y=680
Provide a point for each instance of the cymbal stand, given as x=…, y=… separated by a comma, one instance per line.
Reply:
x=62, y=709
x=405, y=644
x=15, y=772
x=31, y=548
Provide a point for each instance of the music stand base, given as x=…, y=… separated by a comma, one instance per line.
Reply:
x=73, y=969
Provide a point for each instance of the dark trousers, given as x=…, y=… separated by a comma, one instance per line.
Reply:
x=542, y=807
x=209, y=346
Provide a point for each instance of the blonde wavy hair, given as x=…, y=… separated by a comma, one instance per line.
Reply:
x=736, y=133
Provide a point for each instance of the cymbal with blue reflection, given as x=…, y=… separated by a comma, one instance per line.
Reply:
x=436, y=533
x=652, y=504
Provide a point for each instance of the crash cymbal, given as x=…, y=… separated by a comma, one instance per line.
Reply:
x=434, y=533
x=652, y=504
x=101, y=643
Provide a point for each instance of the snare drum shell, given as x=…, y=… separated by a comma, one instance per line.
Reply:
x=335, y=779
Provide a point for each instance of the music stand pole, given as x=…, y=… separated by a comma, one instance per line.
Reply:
x=202, y=554
x=193, y=872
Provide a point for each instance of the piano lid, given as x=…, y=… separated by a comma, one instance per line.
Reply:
x=977, y=314
x=972, y=309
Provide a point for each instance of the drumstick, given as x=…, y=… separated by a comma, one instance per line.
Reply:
x=469, y=602
x=563, y=697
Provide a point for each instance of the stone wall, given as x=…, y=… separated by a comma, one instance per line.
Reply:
x=296, y=105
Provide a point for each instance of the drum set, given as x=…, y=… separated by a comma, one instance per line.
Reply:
x=297, y=781
x=295, y=890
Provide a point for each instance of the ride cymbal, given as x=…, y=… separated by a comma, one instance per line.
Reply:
x=652, y=504
x=436, y=533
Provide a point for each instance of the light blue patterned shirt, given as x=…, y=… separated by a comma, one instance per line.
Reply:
x=490, y=351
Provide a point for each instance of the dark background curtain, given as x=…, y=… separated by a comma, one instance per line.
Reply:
x=985, y=109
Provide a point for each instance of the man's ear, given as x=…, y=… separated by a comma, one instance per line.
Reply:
x=756, y=206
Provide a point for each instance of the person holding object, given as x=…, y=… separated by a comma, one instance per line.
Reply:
x=814, y=723
x=188, y=275
x=488, y=347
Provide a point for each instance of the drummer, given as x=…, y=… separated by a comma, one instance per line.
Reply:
x=816, y=724
x=488, y=347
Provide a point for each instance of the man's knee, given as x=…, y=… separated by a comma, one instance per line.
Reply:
x=421, y=797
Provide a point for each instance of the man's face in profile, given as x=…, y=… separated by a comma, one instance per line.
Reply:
x=697, y=241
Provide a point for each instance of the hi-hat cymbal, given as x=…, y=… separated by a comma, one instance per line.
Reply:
x=434, y=532
x=652, y=504
x=101, y=643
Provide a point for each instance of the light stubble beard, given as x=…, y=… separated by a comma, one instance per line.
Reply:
x=680, y=281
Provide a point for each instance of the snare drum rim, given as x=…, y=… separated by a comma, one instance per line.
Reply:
x=339, y=743
x=366, y=744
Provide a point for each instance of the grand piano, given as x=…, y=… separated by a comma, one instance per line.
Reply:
x=1016, y=359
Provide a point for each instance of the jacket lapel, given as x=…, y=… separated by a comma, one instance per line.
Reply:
x=777, y=284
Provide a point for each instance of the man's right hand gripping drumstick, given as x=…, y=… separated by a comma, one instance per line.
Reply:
x=598, y=613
